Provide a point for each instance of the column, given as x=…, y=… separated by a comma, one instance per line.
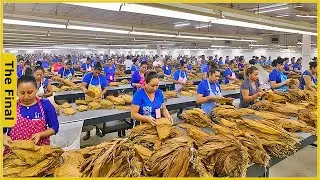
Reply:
x=158, y=50
x=108, y=52
x=306, y=51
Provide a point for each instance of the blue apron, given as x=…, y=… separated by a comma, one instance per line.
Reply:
x=283, y=88
x=208, y=106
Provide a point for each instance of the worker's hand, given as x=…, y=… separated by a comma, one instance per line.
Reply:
x=152, y=121
x=287, y=81
x=36, y=137
x=170, y=118
x=211, y=97
x=260, y=94
x=6, y=140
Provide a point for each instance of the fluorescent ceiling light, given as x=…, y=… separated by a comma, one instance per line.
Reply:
x=30, y=23
x=203, y=26
x=151, y=34
x=86, y=28
x=283, y=15
x=270, y=6
x=141, y=9
x=258, y=45
x=271, y=10
x=307, y=16
x=30, y=51
x=218, y=46
x=182, y=24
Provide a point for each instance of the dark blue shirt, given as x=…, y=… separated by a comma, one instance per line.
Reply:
x=275, y=75
x=203, y=88
x=135, y=79
x=45, y=64
x=303, y=83
x=95, y=80
x=167, y=70
x=64, y=72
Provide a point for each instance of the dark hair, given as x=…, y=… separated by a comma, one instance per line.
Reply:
x=98, y=66
x=38, y=68
x=59, y=60
x=151, y=75
x=144, y=63
x=38, y=63
x=21, y=59
x=128, y=57
x=212, y=64
x=28, y=71
x=69, y=63
x=212, y=71
x=88, y=59
x=182, y=63
x=279, y=60
x=135, y=60
x=250, y=70
x=231, y=62
x=252, y=62
x=241, y=58
x=27, y=63
x=313, y=64
x=27, y=79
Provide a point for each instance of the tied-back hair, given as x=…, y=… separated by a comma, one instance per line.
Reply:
x=27, y=79
x=151, y=75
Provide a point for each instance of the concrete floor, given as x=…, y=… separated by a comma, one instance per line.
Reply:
x=302, y=164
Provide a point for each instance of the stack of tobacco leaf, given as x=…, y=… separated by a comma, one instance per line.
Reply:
x=196, y=117
x=29, y=160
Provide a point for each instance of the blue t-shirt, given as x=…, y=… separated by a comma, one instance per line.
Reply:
x=240, y=66
x=167, y=70
x=296, y=66
x=55, y=60
x=34, y=113
x=286, y=67
x=148, y=108
x=108, y=70
x=275, y=76
x=135, y=68
x=84, y=66
x=189, y=66
x=45, y=64
x=95, y=80
x=303, y=83
x=227, y=72
x=20, y=73
x=203, y=88
x=135, y=79
x=64, y=72
x=182, y=74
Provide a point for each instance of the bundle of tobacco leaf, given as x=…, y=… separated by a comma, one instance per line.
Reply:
x=177, y=157
x=70, y=165
x=117, y=159
x=196, y=117
x=230, y=112
x=29, y=160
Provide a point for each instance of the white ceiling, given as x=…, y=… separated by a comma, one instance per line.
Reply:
x=18, y=36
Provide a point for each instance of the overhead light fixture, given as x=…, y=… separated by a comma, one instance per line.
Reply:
x=283, y=15
x=86, y=28
x=271, y=10
x=307, y=16
x=269, y=6
x=217, y=46
x=30, y=23
x=258, y=45
x=181, y=24
x=202, y=26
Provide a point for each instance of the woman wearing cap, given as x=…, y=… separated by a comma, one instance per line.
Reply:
x=148, y=102
x=278, y=80
x=67, y=72
x=138, y=77
x=94, y=82
x=229, y=74
x=180, y=77
x=308, y=79
x=207, y=90
x=57, y=66
x=36, y=117
x=109, y=71
x=250, y=90
x=86, y=67
x=43, y=85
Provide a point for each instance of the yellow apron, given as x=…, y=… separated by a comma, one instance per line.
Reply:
x=94, y=88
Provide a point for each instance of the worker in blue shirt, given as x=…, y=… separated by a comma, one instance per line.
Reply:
x=207, y=90
x=211, y=64
x=67, y=72
x=286, y=66
x=135, y=66
x=45, y=63
x=148, y=103
x=43, y=85
x=23, y=71
x=309, y=79
x=167, y=68
x=278, y=80
x=109, y=71
x=180, y=77
x=97, y=83
x=229, y=74
x=20, y=66
x=269, y=61
x=86, y=67
x=297, y=66
x=227, y=60
x=36, y=117
x=220, y=63
x=203, y=63
x=138, y=77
